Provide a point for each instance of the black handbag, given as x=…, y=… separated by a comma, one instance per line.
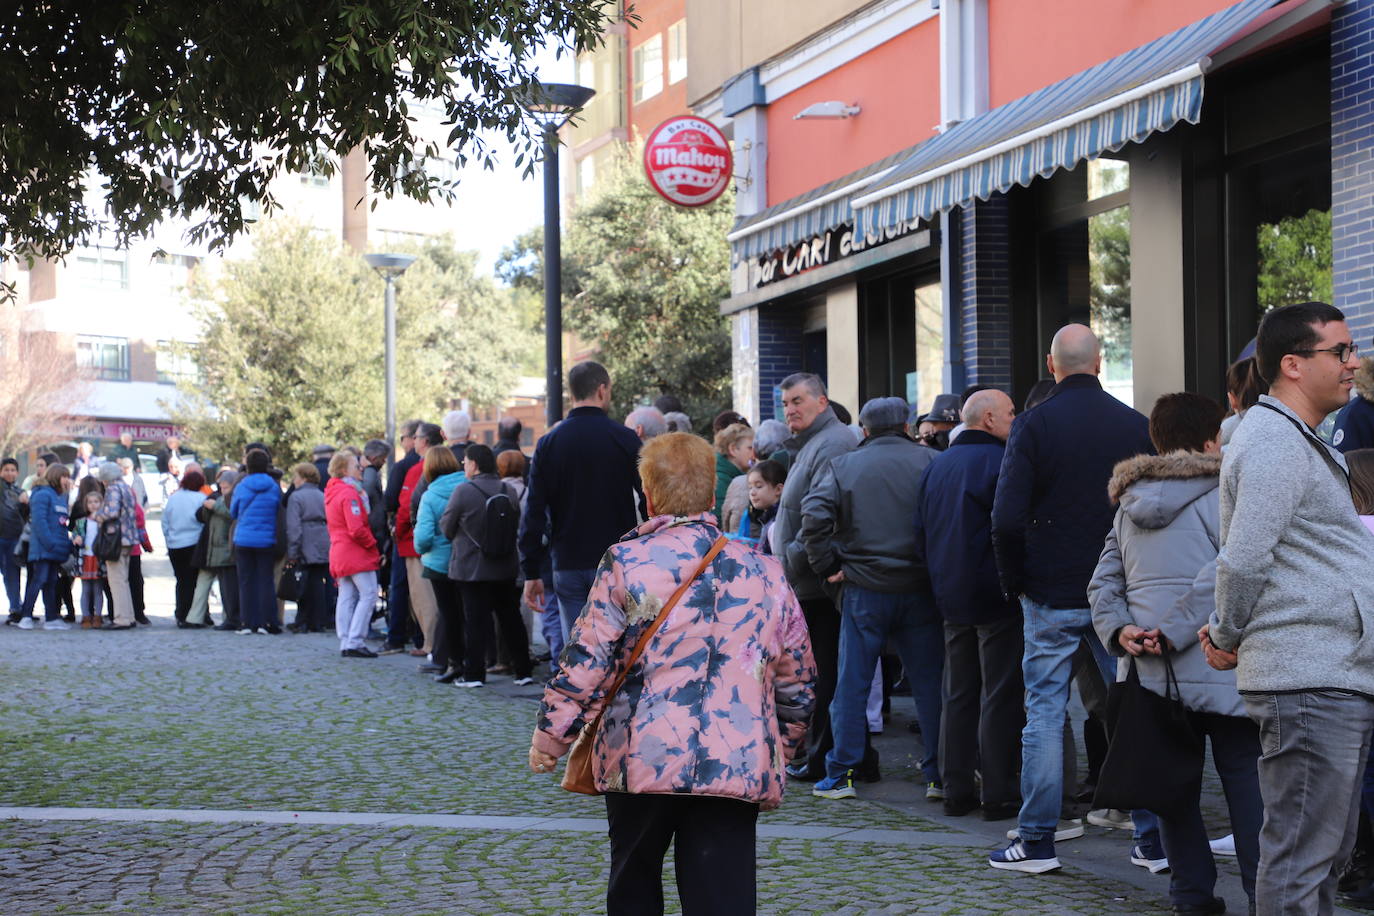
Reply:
x=108, y=542
x=291, y=585
x=1154, y=759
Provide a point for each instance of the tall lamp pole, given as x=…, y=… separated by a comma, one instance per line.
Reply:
x=553, y=104
x=390, y=266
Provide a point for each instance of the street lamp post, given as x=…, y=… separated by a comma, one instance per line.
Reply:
x=390, y=266
x=553, y=104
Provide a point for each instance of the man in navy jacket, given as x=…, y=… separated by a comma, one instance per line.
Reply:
x=397, y=589
x=584, y=479
x=982, y=629
x=1050, y=518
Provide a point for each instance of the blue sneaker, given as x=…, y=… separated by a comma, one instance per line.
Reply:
x=1031, y=857
x=841, y=786
x=1151, y=857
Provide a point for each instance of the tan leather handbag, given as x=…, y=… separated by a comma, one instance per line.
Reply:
x=577, y=776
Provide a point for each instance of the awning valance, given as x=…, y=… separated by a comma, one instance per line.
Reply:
x=1101, y=109
x=809, y=214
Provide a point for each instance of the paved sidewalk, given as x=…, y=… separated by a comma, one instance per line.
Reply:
x=166, y=771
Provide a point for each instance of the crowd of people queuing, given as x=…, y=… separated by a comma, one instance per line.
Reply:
x=725, y=617
x=1215, y=561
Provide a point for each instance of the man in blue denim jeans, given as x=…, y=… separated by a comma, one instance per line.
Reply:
x=857, y=530
x=1295, y=607
x=1050, y=517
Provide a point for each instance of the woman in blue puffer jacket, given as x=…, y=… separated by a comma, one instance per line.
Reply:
x=257, y=500
x=49, y=546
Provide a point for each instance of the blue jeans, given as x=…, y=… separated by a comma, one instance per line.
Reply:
x=551, y=626
x=42, y=579
x=868, y=619
x=398, y=604
x=9, y=571
x=1052, y=635
x=571, y=586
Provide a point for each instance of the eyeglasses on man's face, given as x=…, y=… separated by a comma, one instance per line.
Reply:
x=1343, y=352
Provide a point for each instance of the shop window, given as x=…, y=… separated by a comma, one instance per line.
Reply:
x=677, y=51
x=901, y=338
x=1294, y=260
x=648, y=69
x=106, y=358
x=1085, y=263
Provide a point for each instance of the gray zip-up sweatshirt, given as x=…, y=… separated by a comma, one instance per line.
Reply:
x=1294, y=591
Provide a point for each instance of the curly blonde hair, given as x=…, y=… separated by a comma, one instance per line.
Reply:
x=731, y=436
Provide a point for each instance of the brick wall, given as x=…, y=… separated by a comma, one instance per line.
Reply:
x=1352, y=163
x=780, y=351
x=985, y=292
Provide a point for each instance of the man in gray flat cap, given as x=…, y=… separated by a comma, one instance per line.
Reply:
x=858, y=534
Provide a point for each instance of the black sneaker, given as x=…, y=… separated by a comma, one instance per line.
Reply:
x=1213, y=907
x=358, y=653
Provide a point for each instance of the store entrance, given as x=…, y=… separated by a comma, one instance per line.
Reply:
x=901, y=338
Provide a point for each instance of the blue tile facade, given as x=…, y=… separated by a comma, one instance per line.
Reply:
x=1352, y=163
x=985, y=292
x=780, y=352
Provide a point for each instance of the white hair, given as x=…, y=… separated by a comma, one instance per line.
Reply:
x=650, y=418
x=456, y=425
x=678, y=422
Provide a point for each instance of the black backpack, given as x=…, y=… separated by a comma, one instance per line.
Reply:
x=501, y=524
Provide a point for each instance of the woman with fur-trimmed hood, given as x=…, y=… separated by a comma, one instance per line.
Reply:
x=1153, y=589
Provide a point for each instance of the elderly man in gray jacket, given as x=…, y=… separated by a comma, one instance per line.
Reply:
x=857, y=530
x=817, y=437
x=1295, y=605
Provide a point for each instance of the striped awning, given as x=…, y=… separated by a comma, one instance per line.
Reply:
x=806, y=215
x=1099, y=110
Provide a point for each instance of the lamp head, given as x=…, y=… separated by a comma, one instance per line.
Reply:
x=389, y=265
x=553, y=103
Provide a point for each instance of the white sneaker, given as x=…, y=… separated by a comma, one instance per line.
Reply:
x=26, y=623
x=462, y=683
x=261, y=631
x=523, y=681
x=1112, y=818
x=246, y=631
x=1224, y=846
x=1140, y=857
x=1070, y=828
x=58, y=624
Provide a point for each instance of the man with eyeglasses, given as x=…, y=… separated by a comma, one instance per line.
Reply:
x=1294, y=602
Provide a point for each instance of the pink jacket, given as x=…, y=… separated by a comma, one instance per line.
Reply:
x=720, y=699
x=352, y=548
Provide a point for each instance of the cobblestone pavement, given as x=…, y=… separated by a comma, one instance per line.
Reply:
x=161, y=718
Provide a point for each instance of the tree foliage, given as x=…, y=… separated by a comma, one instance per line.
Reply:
x=1294, y=260
x=191, y=110
x=642, y=281
x=292, y=350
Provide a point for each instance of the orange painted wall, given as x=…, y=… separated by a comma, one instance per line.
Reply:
x=1031, y=45
x=655, y=17
x=897, y=85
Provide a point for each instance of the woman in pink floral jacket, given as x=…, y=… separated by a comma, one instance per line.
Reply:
x=695, y=742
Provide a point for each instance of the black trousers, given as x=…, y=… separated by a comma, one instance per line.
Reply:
x=136, y=584
x=315, y=611
x=186, y=578
x=824, y=623
x=480, y=601
x=228, y=578
x=713, y=854
x=447, y=650
x=984, y=710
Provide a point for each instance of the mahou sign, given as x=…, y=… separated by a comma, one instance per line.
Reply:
x=688, y=161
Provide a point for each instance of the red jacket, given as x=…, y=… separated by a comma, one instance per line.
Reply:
x=352, y=548
x=405, y=532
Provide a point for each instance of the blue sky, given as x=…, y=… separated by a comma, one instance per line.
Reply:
x=506, y=204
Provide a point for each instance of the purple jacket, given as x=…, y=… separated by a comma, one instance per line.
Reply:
x=721, y=697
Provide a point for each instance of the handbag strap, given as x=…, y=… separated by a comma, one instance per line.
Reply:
x=643, y=643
